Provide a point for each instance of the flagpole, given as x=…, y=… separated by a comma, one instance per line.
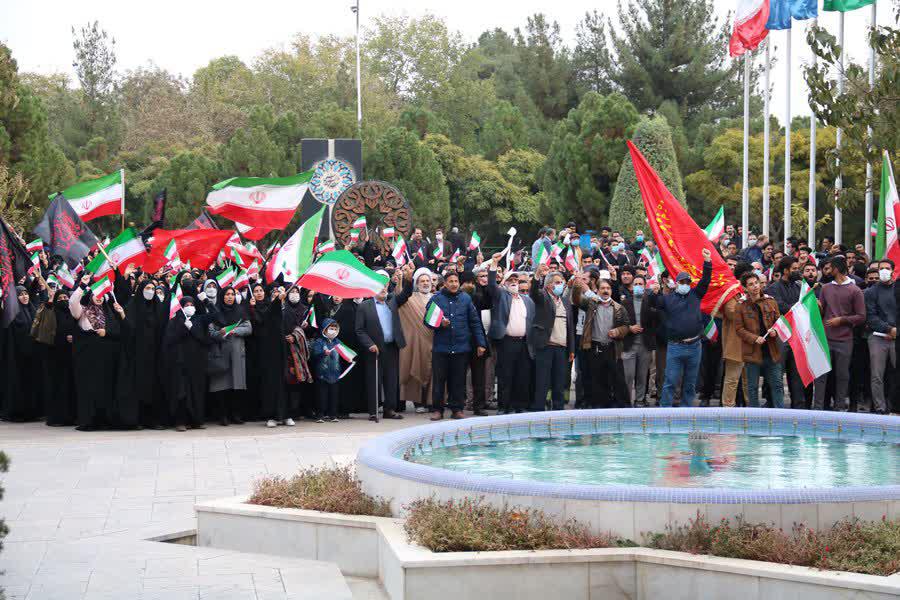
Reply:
x=745, y=193
x=122, y=177
x=869, y=190
x=766, y=95
x=787, y=145
x=811, y=208
x=839, y=182
x=358, y=78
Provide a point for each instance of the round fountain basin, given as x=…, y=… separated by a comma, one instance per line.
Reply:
x=632, y=471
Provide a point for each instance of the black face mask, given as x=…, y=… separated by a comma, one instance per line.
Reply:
x=795, y=277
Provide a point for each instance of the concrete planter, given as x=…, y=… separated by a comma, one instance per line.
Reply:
x=377, y=547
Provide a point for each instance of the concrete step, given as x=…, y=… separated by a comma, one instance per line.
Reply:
x=366, y=589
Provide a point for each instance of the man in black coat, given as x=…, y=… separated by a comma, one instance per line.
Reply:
x=639, y=344
x=553, y=338
x=380, y=335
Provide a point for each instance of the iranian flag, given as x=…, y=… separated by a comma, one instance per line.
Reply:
x=97, y=197
x=51, y=278
x=556, y=250
x=65, y=276
x=253, y=270
x=340, y=274
x=293, y=259
x=226, y=277
x=802, y=328
x=175, y=302
x=241, y=280
x=311, y=317
x=475, y=242
x=750, y=18
x=327, y=246
x=886, y=244
x=259, y=201
x=230, y=328
x=388, y=232
x=420, y=253
x=399, y=251
x=127, y=248
x=354, y=235
x=571, y=262
x=439, y=251
x=345, y=352
x=711, y=332
x=716, y=227
x=542, y=257
x=359, y=223
x=455, y=256
x=171, y=254
x=654, y=265
x=434, y=315
x=102, y=287
x=35, y=245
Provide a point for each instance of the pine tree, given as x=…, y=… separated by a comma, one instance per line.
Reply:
x=653, y=137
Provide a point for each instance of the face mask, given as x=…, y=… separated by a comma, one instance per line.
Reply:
x=558, y=289
x=331, y=333
x=752, y=241
x=682, y=288
x=294, y=297
x=357, y=300
x=211, y=292
x=794, y=277
x=757, y=271
x=189, y=311
x=605, y=299
x=670, y=284
x=639, y=238
x=439, y=236
x=638, y=290
x=595, y=246
x=148, y=294
x=884, y=275
x=513, y=288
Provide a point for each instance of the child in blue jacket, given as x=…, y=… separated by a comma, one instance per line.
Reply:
x=327, y=370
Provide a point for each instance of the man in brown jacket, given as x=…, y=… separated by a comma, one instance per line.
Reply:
x=756, y=314
x=605, y=325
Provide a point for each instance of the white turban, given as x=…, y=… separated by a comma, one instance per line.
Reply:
x=421, y=271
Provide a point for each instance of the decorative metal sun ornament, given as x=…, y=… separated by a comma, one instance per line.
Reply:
x=332, y=178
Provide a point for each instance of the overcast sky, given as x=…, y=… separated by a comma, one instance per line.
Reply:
x=184, y=35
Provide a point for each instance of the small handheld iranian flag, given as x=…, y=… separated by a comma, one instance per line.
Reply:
x=171, y=254
x=475, y=242
x=556, y=250
x=236, y=256
x=35, y=258
x=230, y=328
x=35, y=245
x=311, y=317
x=65, y=276
x=345, y=352
x=420, y=253
x=455, y=256
x=102, y=287
x=226, y=277
x=359, y=223
x=388, y=232
x=439, y=251
x=253, y=270
x=51, y=279
x=571, y=262
x=542, y=257
x=241, y=280
x=716, y=227
x=399, y=251
x=175, y=302
x=711, y=332
x=354, y=235
x=434, y=316
x=802, y=329
x=326, y=246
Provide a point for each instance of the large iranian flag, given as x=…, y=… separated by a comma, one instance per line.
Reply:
x=802, y=328
x=750, y=18
x=127, y=248
x=886, y=244
x=716, y=227
x=340, y=274
x=267, y=202
x=97, y=197
x=293, y=259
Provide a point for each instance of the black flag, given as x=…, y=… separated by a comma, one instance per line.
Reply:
x=64, y=233
x=202, y=222
x=159, y=215
x=14, y=264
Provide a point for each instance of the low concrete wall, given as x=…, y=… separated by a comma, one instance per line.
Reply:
x=378, y=547
x=349, y=541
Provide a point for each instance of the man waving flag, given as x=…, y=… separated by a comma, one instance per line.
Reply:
x=886, y=244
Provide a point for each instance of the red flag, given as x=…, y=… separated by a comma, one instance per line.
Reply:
x=679, y=238
x=200, y=247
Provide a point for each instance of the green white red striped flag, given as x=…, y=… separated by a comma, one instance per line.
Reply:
x=434, y=315
x=35, y=245
x=345, y=351
x=388, y=232
x=399, y=252
x=226, y=277
x=230, y=328
x=259, y=201
x=340, y=274
x=359, y=223
x=127, y=248
x=711, y=332
x=439, y=251
x=716, y=227
x=101, y=287
x=51, y=278
x=97, y=197
x=175, y=302
x=475, y=241
x=542, y=257
x=802, y=328
x=886, y=243
x=241, y=280
x=65, y=276
x=253, y=270
x=354, y=235
x=326, y=246
x=35, y=258
x=294, y=258
x=311, y=317
x=171, y=254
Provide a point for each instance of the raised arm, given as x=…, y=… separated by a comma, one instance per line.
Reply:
x=703, y=285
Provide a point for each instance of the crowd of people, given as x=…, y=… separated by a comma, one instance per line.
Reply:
x=454, y=330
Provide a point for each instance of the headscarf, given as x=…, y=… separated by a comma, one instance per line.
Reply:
x=25, y=316
x=293, y=315
x=228, y=315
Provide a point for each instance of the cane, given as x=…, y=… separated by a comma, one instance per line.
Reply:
x=377, y=388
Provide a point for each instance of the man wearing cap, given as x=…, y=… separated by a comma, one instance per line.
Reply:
x=553, y=340
x=512, y=317
x=684, y=327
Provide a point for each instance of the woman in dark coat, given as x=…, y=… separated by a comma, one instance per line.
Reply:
x=353, y=397
x=96, y=350
x=183, y=374
x=252, y=401
x=139, y=382
x=61, y=406
x=23, y=380
x=229, y=386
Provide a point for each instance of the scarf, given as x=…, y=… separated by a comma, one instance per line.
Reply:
x=96, y=316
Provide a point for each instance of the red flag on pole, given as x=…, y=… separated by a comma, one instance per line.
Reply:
x=200, y=247
x=679, y=238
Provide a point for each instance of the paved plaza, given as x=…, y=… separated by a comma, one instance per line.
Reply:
x=81, y=508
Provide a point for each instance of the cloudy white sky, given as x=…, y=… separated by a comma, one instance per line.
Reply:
x=183, y=35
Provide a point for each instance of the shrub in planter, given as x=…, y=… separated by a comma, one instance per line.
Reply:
x=327, y=489
x=472, y=526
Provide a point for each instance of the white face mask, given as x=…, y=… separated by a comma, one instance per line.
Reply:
x=513, y=288
x=331, y=333
x=605, y=299
x=148, y=294
x=884, y=275
x=189, y=311
x=683, y=289
x=439, y=236
x=294, y=297
x=211, y=292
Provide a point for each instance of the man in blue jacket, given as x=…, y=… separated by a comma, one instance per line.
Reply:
x=684, y=327
x=458, y=330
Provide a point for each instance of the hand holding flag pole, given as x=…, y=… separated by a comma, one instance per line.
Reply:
x=511, y=233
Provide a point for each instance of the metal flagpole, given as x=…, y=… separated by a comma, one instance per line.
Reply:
x=787, y=146
x=869, y=191
x=811, y=226
x=839, y=183
x=745, y=193
x=122, y=177
x=766, y=97
x=358, y=78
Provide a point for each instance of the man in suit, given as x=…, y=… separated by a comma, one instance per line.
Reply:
x=512, y=317
x=640, y=341
x=553, y=337
x=380, y=333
